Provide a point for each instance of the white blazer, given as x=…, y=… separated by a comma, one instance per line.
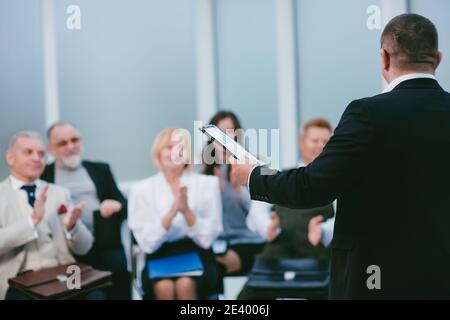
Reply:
x=151, y=199
x=20, y=240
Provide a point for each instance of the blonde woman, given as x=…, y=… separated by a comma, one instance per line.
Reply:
x=173, y=212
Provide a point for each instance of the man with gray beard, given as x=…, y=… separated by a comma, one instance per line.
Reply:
x=93, y=183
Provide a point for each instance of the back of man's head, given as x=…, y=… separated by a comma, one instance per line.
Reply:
x=411, y=41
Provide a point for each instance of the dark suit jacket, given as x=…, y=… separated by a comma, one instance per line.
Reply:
x=388, y=164
x=106, y=231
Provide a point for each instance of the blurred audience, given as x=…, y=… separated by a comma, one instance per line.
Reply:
x=173, y=212
x=242, y=244
x=105, y=210
x=33, y=233
x=293, y=233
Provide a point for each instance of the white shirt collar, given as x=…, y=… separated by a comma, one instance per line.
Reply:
x=405, y=77
x=17, y=183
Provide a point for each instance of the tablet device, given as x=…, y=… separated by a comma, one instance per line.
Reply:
x=234, y=148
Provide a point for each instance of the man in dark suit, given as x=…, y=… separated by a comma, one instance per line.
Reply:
x=106, y=207
x=388, y=164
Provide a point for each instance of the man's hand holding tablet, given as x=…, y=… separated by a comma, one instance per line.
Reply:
x=242, y=161
x=234, y=148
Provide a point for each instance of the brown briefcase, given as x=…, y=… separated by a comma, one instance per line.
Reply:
x=51, y=283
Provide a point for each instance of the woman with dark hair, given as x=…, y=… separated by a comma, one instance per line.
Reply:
x=243, y=244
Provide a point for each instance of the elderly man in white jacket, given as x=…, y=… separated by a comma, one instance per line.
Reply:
x=39, y=228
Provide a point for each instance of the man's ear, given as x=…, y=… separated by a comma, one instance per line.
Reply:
x=385, y=60
x=438, y=59
x=9, y=158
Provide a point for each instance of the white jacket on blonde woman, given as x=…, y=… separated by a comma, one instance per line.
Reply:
x=151, y=199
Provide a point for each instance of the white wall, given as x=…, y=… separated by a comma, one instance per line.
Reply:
x=21, y=77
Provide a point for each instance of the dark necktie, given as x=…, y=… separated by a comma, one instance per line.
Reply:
x=31, y=193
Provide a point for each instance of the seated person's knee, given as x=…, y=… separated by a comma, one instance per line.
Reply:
x=164, y=289
x=185, y=288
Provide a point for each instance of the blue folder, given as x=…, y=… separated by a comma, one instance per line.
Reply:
x=186, y=264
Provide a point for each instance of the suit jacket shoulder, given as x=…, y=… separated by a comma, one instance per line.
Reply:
x=96, y=165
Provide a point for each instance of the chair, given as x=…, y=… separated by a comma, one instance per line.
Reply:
x=137, y=262
x=291, y=278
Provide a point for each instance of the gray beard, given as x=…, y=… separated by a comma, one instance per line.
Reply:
x=72, y=163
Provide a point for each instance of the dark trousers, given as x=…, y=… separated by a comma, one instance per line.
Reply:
x=113, y=260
